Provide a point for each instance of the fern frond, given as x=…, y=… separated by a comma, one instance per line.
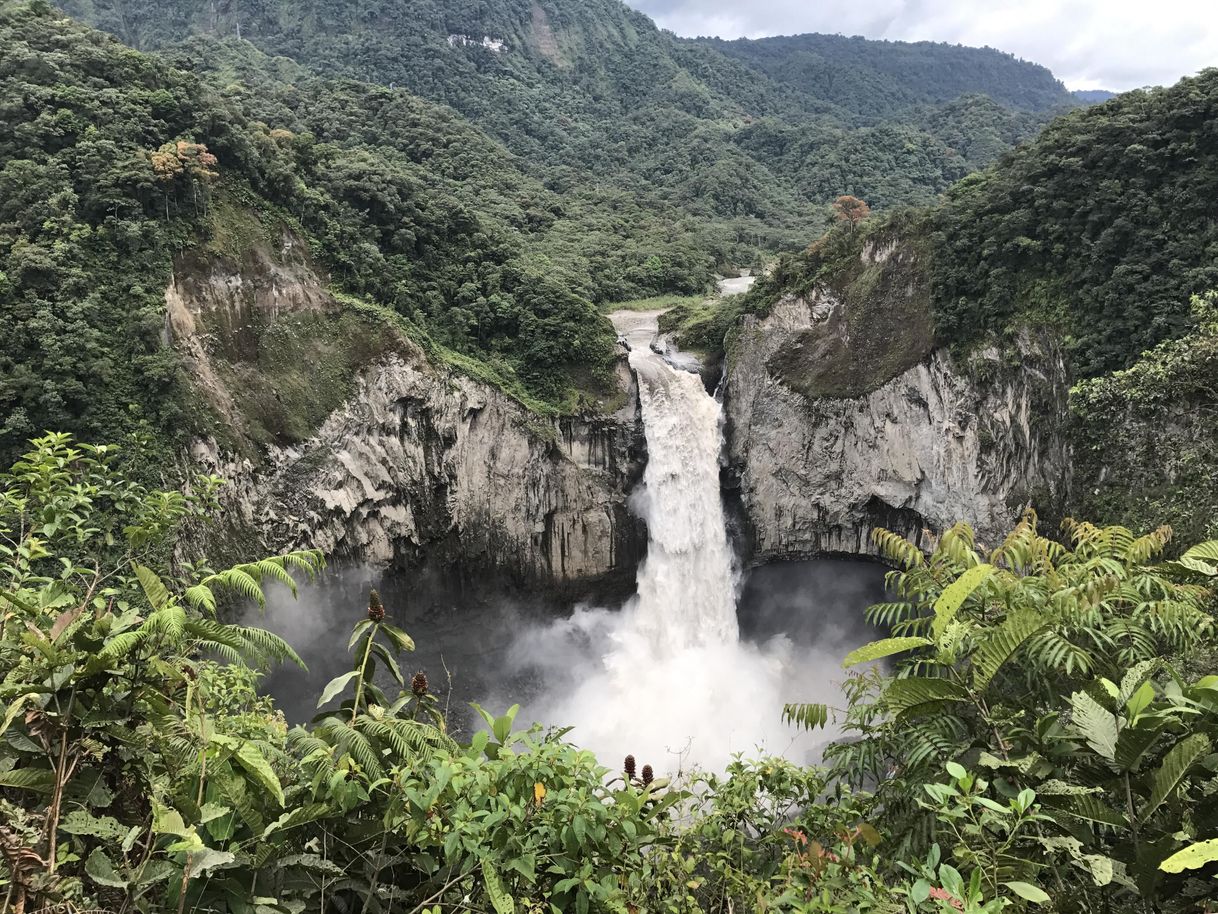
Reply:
x=806, y=716
x=897, y=549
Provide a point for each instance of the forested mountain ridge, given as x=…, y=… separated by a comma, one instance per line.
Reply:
x=113, y=162
x=880, y=78
x=589, y=90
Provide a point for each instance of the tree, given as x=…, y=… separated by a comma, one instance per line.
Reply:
x=850, y=210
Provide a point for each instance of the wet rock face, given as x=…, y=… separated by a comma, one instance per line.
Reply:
x=940, y=442
x=417, y=464
x=430, y=466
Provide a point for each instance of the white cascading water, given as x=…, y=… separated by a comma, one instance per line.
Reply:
x=686, y=592
x=668, y=678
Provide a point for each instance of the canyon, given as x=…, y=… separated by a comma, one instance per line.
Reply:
x=419, y=465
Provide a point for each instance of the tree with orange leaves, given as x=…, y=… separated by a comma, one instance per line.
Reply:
x=183, y=159
x=850, y=210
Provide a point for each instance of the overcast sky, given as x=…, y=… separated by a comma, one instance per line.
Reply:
x=1088, y=44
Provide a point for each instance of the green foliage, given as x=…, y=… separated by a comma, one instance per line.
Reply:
x=1126, y=469
x=110, y=712
x=593, y=88
x=1050, y=666
x=877, y=78
x=1099, y=226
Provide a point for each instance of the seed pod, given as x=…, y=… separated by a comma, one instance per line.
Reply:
x=376, y=609
x=418, y=683
x=648, y=775
x=630, y=767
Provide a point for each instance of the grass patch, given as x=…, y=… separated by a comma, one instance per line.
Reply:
x=500, y=376
x=655, y=303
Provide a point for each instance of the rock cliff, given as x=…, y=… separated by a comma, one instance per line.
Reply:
x=828, y=439
x=336, y=431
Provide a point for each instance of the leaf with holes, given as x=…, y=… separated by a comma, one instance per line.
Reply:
x=1171, y=774
x=955, y=594
x=496, y=891
x=1192, y=857
x=886, y=647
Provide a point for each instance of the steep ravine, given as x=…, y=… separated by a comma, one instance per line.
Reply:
x=941, y=441
x=409, y=463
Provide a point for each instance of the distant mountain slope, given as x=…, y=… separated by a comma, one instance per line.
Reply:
x=1101, y=234
x=1103, y=227
x=884, y=78
x=590, y=89
x=1092, y=96
x=403, y=203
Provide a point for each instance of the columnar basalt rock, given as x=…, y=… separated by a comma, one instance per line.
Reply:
x=418, y=463
x=945, y=440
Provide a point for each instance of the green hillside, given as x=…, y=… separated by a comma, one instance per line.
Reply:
x=589, y=90
x=113, y=162
x=882, y=78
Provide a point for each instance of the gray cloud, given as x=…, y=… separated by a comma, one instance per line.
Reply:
x=1088, y=44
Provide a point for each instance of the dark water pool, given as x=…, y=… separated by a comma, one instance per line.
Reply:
x=465, y=635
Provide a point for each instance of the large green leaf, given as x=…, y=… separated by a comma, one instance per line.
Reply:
x=1134, y=743
x=401, y=640
x=1097, y=725
x=1028, y=892
x=905, y=695
x=100, y=868
x=495, y=889
x=1175, y=767
x=885, y=647
x=996, y=649
x=154, y=589
x=1192, y=857
x=1201, y=559
x=38, y=780
x=251, y=760
x=1087, y=808
x=14, y=709
x=955, y=594
x=334, y=686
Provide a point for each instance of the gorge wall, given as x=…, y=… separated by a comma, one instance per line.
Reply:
x=336, y=431
x=843, y=416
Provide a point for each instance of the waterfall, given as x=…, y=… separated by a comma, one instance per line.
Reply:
x=686, y=592
x=667, y=677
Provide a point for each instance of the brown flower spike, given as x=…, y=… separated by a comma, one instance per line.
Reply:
x=630, y=767
x=648, y=775
x=418, y=683
x=376, y=609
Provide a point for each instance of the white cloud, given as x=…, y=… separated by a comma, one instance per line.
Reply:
x=1088, y=44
